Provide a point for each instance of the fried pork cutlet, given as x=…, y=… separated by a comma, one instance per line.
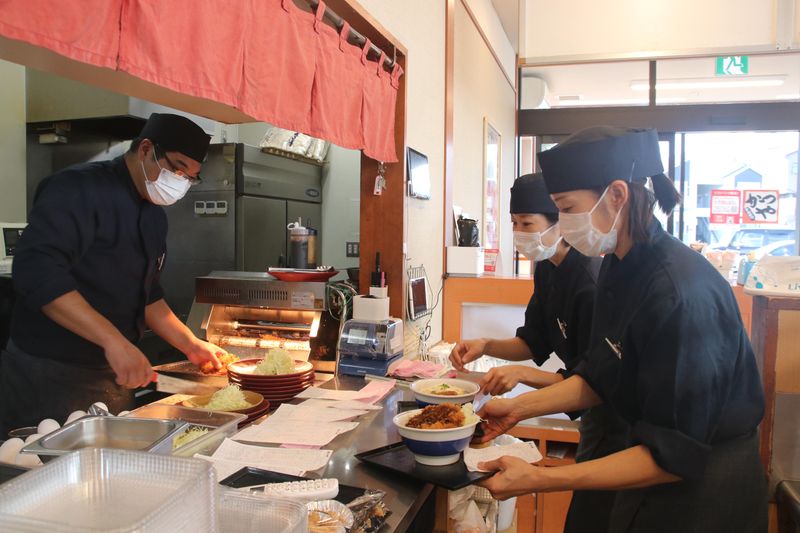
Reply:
x=443, y=416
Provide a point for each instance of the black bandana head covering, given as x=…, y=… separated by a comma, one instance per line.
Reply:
x=174, y=133
x=529, y=196
x=596, y=156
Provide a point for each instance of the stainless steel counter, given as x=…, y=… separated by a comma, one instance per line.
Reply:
x=404, y=496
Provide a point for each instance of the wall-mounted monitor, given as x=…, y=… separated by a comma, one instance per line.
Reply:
x=419, y=175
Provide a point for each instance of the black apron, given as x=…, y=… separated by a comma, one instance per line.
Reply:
x=35, y=388
x=603, y=432
x=730, y=497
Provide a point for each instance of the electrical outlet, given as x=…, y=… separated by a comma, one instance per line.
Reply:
x=352, y=249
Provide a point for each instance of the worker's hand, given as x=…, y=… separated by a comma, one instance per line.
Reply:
x=498, y=416
x=514, y=477
x=202, y=351
x=130, y=365
x=502, y=379
x=467, y=351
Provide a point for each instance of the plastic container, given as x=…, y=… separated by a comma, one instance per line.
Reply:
x=299, y=237
x=224, y=424
x=98, y=489
x=240, y=512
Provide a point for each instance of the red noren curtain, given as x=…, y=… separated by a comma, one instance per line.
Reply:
x=268, y=58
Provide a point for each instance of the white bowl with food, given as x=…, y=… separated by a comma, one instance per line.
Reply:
x=437, y=434
x=444, y=390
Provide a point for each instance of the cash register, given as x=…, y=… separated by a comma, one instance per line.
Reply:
x=370, y=346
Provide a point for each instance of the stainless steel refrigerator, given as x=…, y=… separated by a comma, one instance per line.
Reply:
x=236, y=217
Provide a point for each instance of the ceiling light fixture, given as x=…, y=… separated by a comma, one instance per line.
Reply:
x=792, y=96
x=615, y=102
x=711, y=83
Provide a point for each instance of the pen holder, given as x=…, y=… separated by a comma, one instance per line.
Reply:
x=370, y=308
x=379, y=292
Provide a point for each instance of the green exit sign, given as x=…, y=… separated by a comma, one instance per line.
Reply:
x=732, y=66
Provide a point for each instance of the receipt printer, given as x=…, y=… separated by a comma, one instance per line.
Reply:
x=370, y=346
x=373, y=339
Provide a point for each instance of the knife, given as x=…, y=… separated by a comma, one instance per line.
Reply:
x=173, y=385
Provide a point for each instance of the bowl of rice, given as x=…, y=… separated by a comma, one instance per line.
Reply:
x=443, y=390
x=437, y=434
x=230, y=399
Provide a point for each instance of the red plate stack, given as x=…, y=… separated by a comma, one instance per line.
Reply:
x=275, y=389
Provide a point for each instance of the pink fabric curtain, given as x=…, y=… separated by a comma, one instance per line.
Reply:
x=190, y=46
x=84, y=30
x=270, y=59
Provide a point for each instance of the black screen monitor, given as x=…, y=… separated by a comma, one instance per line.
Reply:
x=419, y=175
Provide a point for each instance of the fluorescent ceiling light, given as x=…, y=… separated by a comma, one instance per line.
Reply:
x=711, y=83
x=616, y=101
x=793, y=96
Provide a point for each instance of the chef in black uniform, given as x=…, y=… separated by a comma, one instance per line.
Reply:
x=559, y=312
x=557, y=320
x=86, y=274
x=668, y=353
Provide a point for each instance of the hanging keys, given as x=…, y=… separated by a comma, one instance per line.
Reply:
x=380, y=180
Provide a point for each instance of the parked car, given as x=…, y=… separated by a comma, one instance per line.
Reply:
x=747, y=240
x=779, y=248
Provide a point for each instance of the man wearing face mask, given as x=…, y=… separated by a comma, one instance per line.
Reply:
x=86, y=273
x=557, y=320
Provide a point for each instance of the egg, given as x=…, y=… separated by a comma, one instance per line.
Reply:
x=27, y=460
x=32, y=438
x=48, y=425
x=101, y=405
x=123, y=413
x=9, y=450
x=74, y=415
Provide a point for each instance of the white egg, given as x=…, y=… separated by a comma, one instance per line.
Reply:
x=48, y=425
x=27, y=459
x=123, y=413
x=74, y=415
x=101, y=405
x=9, y=450
x=32, y=438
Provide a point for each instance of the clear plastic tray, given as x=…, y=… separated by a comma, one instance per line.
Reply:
x=239, y=512
x=98, y=489
x=224, y=424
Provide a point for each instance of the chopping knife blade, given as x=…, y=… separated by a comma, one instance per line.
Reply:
x=173, y=385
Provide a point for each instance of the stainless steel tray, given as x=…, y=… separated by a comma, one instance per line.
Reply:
x=150, y=435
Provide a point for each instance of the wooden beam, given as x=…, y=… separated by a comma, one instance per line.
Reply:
x=383, y=218
x=449, y=154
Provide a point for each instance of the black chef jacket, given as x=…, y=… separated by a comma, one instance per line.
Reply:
x=89, y=230
x=669, y=353
x=559, y=315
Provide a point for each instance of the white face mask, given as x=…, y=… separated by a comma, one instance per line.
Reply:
x=168, y=187
x=580, y=232
x=531, y=246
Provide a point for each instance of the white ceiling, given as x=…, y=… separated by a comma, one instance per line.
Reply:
x=611, y=83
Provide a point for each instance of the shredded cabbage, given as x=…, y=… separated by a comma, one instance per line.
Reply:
x=228, y=399
x=276, y=362
x=188, y=436
x=469, y=415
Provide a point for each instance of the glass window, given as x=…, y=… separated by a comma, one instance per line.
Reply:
x=713, y=80
x=740, y=190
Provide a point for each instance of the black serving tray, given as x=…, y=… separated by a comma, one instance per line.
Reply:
x=398, y=458
x=249, y=476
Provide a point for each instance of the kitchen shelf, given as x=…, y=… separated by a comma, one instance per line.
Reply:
x=290, y=155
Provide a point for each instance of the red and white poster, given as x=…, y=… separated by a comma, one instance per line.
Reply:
x=760, y=207
x=726, y=206
x=490, y=259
